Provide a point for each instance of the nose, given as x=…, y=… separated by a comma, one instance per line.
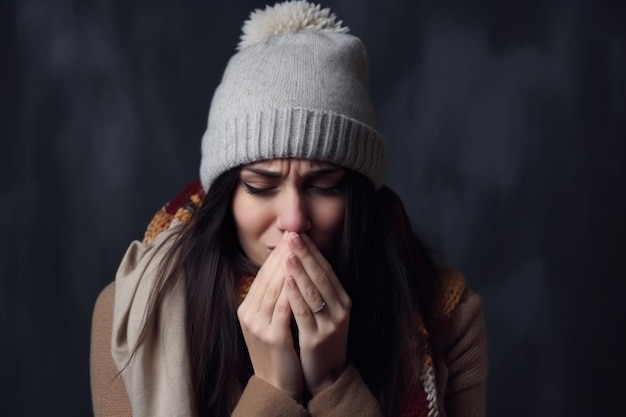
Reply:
x=292, y=214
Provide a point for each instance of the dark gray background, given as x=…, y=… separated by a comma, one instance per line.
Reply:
x=506, y=127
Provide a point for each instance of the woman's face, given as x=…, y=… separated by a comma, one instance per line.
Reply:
x=294, y=195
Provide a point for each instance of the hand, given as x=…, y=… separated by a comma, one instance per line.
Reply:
x=265, y=316
x=323, y=335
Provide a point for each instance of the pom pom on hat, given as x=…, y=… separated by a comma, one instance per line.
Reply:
x=296, y=88
x=290, y=16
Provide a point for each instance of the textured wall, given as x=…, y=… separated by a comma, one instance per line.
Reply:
x=506, y=126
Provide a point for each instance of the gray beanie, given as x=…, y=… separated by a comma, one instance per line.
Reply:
x=297, y=88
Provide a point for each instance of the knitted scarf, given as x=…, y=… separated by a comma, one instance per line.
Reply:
x=421, y=404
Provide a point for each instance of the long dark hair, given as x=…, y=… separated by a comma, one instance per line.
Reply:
x=385, y=269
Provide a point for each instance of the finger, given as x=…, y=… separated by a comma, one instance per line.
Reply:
x=317, y=255
x=277, y=274
x=308, y=290
x=301, y=310
x=282, y=310
x=318, y=269
x=255, y=295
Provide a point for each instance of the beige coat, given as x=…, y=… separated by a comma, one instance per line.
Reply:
x=156, y=382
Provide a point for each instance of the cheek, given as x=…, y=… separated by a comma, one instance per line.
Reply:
x=252, y=220
x=328, y=222
x=246, y=218
x=330, y=218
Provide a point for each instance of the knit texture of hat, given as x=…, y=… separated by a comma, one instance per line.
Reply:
x=297, y=88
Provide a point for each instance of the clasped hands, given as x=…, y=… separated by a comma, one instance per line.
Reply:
x=295, y=281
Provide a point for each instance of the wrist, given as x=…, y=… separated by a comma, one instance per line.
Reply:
x=330, y=379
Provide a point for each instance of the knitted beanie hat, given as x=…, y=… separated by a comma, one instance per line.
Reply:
x=296, y=88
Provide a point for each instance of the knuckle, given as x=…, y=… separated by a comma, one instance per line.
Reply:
x=302, y=310
x=306, y=254
x=344, y=317
x=244, y=317
x=281, y=308
x=272, y=293
x=257, y=329
x=323, y=279
x=247, y=326
x=311, y=293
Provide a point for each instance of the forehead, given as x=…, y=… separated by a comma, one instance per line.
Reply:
x=291, y=164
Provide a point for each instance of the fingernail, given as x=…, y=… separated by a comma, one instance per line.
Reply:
x=293, y=260
x=291, y=282
x=297, y=240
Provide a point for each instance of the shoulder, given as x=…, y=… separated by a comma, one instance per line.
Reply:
x=148, y=252
x=102, y=318
x=107, y=388
x=139, y=274
x=460, y=336
x=452, y=291
x=458, y=309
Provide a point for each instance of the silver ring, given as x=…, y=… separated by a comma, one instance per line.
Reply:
x=320, y=308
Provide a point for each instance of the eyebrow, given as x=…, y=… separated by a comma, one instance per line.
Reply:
x=311, y=174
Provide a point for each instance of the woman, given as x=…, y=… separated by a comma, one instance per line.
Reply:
x=290, y=282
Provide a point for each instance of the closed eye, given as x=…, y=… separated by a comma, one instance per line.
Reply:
x=327, y=188
x=258, y=190
x=326, y=191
